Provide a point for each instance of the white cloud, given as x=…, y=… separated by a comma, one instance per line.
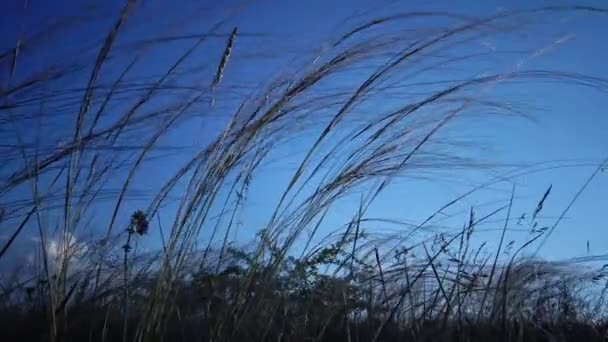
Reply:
x=65, y=245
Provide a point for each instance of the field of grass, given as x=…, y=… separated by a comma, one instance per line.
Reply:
x=86, y=127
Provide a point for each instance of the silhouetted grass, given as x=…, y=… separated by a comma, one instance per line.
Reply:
x=290, y=283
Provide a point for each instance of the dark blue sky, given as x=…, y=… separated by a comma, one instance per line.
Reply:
x=569, y=129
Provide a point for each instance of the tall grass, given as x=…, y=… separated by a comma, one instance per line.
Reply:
x=295, y=280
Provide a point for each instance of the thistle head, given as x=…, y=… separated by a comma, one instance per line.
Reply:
x=139, y=223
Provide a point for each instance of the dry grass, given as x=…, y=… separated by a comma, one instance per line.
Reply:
x=290, y=283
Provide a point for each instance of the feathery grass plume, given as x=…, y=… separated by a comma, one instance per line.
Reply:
x=541, y=203
x=306, y=275
x=219, y=73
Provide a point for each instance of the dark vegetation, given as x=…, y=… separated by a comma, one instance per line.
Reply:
x=91, y=280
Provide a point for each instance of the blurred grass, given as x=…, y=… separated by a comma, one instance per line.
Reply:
x=70, y=184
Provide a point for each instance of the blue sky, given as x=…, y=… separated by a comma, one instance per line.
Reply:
x=569, y=127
